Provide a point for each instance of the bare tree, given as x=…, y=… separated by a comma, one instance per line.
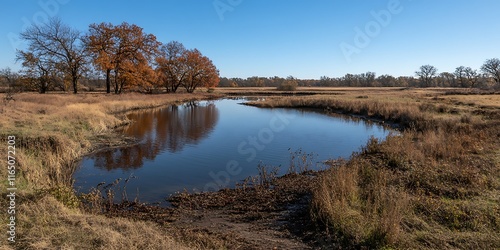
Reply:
x=367, y=79
x=37, y=70
x=426, y=74
x=387, y=81
x=172, y=65
x=350, y=80
x=472, y=76
x=461, y=76
x=8, y=78
x=492, y=68
x=448, y=79
x=57, y=44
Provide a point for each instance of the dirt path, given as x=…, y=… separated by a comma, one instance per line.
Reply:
x=259, y=234
x=274, y=217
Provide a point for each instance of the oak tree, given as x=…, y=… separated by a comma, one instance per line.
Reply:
x=201, y=72
x=99, y=42
x=124, y=50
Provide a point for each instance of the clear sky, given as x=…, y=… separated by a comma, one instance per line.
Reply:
x=306, y=39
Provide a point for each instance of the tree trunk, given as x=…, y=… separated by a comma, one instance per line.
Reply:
x=43, y=87
x=175, y=86
x=116, y=82
x=75, y=85
x=122, y=83
x=108, y=81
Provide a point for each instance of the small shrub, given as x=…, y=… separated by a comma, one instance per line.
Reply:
x=287, y=87
x=290, y=84
x=64, y=194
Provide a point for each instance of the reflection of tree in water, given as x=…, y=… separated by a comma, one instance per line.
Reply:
x=164, y=129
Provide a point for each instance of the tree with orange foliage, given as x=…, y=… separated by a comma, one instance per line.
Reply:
x=140, y=75
x=189, y=68
x=201, y=72
x=124, y=50
x=99, y=42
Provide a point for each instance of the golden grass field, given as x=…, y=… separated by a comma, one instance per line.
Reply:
x=434, y=186
x=53, y=131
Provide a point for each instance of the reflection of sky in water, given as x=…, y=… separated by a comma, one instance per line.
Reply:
x=180, y=146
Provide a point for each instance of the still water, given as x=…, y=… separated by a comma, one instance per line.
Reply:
x=205, y=145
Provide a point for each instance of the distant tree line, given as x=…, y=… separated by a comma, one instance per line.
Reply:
x=59, y=57
x=426, y=76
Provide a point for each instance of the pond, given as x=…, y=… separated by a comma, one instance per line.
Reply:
x=207, y=145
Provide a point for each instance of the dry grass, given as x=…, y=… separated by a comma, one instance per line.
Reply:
x=435, y=185
x=360, y=206
x=472, y=100
x=47, y=224
x=52, y=132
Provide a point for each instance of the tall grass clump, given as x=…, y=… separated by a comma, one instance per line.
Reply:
x=358, y=206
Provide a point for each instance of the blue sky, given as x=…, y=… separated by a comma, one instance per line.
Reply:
x=306, y=39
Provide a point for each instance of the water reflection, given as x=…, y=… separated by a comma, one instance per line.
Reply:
x=170, y=128
x=190, y=146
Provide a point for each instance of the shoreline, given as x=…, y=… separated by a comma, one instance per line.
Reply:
x=341, y=113
x=118, y=140
x=232, y=217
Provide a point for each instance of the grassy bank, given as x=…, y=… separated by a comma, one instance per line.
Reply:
x=436, y=185
x=52, y=132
